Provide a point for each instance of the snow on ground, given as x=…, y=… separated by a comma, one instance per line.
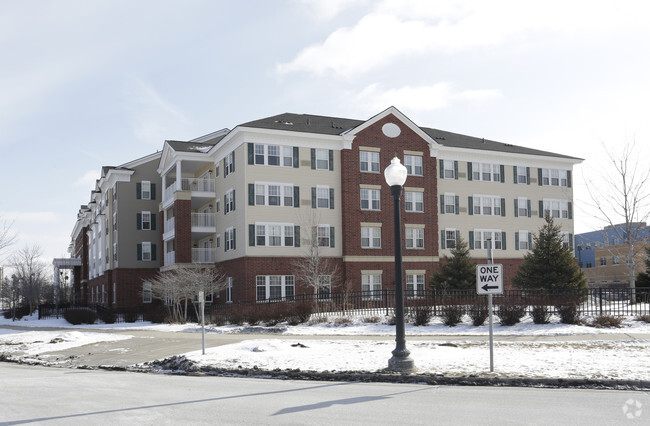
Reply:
x=558, y=357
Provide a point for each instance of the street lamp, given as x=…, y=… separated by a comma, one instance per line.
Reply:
x=395, y=175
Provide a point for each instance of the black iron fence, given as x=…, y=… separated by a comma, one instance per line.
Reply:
x=589, y=302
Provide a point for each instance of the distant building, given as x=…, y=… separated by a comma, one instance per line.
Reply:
x=602, y=254
x=250, y=201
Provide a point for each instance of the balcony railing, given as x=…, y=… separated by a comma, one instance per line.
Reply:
x=170, y=225
x=198, y=184
x=204, y=220
x=170, y=258
x=204, y=255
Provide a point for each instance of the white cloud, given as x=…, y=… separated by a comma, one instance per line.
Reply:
x=395, y=29
x=88, y=179
x=154, y=118
x=325, y=10
x=420, y=98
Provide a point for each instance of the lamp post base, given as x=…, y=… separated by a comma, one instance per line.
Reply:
x=401, y=362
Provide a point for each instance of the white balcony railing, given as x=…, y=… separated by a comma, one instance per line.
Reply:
x=170, y=258
x=198, y=184
x=169, y=192
x=204, y=255
x=204, y=220
x=170, y=225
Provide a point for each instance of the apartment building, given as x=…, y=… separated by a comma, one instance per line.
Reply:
x=254, y=199
x=116, y=236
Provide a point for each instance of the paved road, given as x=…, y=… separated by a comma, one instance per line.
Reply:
x=39, y=395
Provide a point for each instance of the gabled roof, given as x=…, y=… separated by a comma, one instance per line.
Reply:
x=181, y=146
x=306, y=123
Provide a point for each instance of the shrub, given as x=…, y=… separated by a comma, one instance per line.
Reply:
x=318, y=320
x=644, y=318
x=78, y=316
x=342, y=321
x=158, y=314
x=237, y=316
x=19, y=312
x=299, y=313
x=107, y=316
x=371, y=320
x=478, y=314
x=421, y=315
x=607, y=321
x=541, y=314
x=510, y=314
x=568, y=313
x=131, y=316
x=452, y=314
x=252, y=315
x=275, y=313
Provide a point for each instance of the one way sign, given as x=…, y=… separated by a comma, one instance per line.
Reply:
x=489, y=279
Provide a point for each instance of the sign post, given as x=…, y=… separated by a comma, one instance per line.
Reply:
x=202, y=302
x=489, y=280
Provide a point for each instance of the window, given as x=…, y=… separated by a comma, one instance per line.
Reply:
x=414, y=201
x=487, y=205
x=229, y=201
x=524, y=240
x=229, y=239
x=146, y=292
x=274, y=234
x=450, y=203
x=146, y=221
x=229, y=164
x=486, y=172
x=555, y=177
x=370, y=199
x=323, y=235
x=413, y=164
x=616, y=260
x=275, y=287
x=324, y=290
x=370, y=237
x=369, y=161
x=322, y=159
x=449, y=168
x=523, y=174
x=450, y=238
x=483, y=236
x=273, y=194
x=414, y=238
x=522, y=207
x=371, y=286
x=146, y=251
x=603, y=261
x=273, y=155
x=146, y=190
x=228, y=289
x=414, y=285
x=323, y=197
x=556, y=208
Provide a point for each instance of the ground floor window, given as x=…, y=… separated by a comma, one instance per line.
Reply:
x=324, y=290
x=414, y=285
x=275, y=287
x=228, y=289
x=146, y=292
x=371, y=285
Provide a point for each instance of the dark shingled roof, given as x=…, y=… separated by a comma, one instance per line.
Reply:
x=335, y=126
x=194, y=146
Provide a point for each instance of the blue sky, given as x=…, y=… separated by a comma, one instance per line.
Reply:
x=90, y=83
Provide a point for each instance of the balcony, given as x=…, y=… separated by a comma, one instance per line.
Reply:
x=170, y=258
x=203, y=224
x=201, y=189
x=170, y=229
x=204, y=255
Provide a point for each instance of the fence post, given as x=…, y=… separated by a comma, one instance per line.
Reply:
x=600, y=300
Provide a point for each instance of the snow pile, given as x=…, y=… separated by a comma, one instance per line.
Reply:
x=38, y=342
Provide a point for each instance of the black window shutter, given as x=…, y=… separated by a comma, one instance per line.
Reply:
x=502, y=172
x=457, y=237
x=471, y=240
x=251, y=194
x=530, y=241
x=539, y=176
x=503, y=239
x=528, y=204
x=224, y=167
x=456, y=204
x=153, y=191
x=568, y=178
x=514, y=174
x=296, y=157
x=570, y=208
x=503, y=207
x=296, y=236
x=251, y=235
x=331, y=198
x=516, y=207
x=139, y=251
x=251, y=153
x=331, y=158
x=527, y=175
x=541, y=208
x=153, y=252
x=469, y=170
x=442, y=204
x=153, y=221
x=313, y=197
x=296, y=196
x=233, y=200
x=571, y=241
x=234, y=238
x=455, y=169
x=470, y=204
x=232, y=160
x=138, y=191
x=442, y=239
x=138, y=225
x=332, y=236
x=442, y=169
x=313, y=159
x=517, y=240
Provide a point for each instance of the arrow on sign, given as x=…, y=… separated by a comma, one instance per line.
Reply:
x=489, y=287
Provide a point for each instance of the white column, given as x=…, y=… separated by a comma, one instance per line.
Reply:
x=178, y=175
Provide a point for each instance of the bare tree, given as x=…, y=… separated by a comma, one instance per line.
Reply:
x=313, y=269
x=181, y=287
x=31, y=274
x=622, y=202
x=7, y=237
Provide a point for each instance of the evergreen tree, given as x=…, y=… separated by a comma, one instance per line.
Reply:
x=457, y=272
x=550, y=265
